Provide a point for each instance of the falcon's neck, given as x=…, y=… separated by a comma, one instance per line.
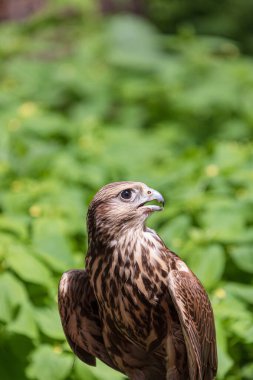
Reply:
x=126, y=248
x=135, y=260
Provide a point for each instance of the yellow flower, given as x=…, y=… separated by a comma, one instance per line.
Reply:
x=212, y=170
x=28, y=109
x=35, y=211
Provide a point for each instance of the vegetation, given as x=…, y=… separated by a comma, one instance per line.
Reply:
x=209, y=17
x=86, y=101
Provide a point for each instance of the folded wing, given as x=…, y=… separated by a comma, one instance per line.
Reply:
x=80, y=319
x=197, y=322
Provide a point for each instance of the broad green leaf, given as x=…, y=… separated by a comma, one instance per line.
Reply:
x=28, y=266
x=242, y=291
x=18, y=226
x=229, y=307
x=225, y=362
x=133, y=43
x=48, y=363
x=208, y=263
x=51, y=244
x=68, y=214
x=82, y=371
x=102, y=371
x=24, y=323
x=224, y=220
x=7, y=242
x=237, y=317
x=49, y=322
x=228, y=155
x=9, y=357
x=243, y=328
x=247, y=371
x=243, y=257
x=13, y=294
x=175, y=231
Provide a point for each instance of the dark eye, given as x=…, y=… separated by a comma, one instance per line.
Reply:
x=126, y=194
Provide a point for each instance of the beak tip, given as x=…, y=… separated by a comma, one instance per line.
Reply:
x=158, y=196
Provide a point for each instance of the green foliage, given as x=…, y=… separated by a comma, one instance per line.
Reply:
x=226, y=18
x=86, y=101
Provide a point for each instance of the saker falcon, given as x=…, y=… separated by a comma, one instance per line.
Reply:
x=136, y=306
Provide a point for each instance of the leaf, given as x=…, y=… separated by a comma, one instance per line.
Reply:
x=25, y=323
x=246, y=371
x=49, y=322
x=51, y=244
x=176, y=231
x=223, y=220
x=231, y=308
x=102, y=371
x=47, y=363
x=242, y=291
x=14, y=224
x=12, y=294
x=208, y=262
x=243, y=257
x=28, y=267
x=8, y=356
x=6, y=244
x=133, y=43
x=83, y=372
x=243, y=329
x=224, y=360
x=238, y=318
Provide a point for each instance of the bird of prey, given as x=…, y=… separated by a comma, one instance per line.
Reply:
x=136, y=306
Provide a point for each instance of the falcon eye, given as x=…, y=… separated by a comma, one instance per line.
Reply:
x=126, y=194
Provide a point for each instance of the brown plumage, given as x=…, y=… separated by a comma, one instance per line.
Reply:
x=137, y=306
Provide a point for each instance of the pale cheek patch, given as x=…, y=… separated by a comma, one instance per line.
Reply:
x=64, y=283
x=182, y=267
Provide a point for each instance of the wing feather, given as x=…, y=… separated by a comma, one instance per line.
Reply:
x=197, y=322
x=80, y=319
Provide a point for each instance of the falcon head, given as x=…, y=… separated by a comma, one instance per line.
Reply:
x=122, y=205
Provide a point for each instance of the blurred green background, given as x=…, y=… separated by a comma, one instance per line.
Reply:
x=87, y=98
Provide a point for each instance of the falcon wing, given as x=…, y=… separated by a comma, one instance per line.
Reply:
x=80, y=319
x=197, y=322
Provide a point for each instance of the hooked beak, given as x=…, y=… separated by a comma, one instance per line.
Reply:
x=151, y=196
